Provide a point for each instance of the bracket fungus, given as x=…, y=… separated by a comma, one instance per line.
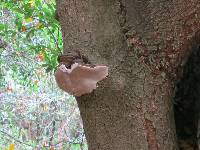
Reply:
x=79, y=79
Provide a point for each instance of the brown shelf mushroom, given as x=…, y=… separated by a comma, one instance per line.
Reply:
x=79, y=79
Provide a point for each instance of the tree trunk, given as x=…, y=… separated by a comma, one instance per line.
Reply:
x=144, y=43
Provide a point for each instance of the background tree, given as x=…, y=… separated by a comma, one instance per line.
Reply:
x=144, y=44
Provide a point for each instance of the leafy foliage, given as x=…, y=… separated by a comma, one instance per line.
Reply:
x=31, y=28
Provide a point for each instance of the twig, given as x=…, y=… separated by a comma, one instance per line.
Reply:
x=6, y=46
x=53, y=131
x=46, y=25
x=81, y=144
x=15, y=138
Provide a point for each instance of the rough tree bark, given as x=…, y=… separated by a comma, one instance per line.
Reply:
x=144, y=43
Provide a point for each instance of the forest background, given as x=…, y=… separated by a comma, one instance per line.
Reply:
x=34, y=113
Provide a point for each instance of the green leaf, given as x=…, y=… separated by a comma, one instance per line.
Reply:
x=2, y=26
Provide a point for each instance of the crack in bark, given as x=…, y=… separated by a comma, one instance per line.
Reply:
x=122, y=16
x=152, y=141
x=151, y=135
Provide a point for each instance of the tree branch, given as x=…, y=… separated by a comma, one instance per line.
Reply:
x=10, y=136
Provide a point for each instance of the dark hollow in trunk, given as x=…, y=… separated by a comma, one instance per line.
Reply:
x=187, y=103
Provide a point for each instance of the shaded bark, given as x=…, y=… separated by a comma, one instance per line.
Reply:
x=144, y=44
x=187, y=103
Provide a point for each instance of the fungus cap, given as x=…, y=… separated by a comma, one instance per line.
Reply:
x=79, y=79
